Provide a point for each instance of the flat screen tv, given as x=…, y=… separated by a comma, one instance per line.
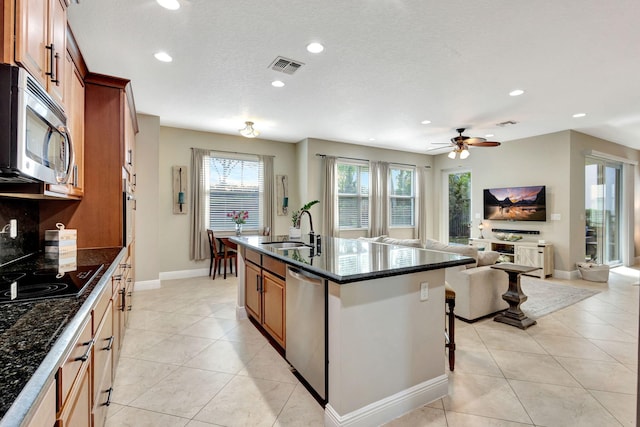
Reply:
x=516, y=203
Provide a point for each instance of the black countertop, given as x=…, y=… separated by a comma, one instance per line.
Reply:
x=351, y=260
x=34, y=336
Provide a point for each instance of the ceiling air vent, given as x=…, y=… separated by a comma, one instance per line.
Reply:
x=285, y=65
x=507, y=123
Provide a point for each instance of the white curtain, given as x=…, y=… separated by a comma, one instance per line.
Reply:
x=267, y=197
x=379, y=203
x=198, y=241
x=421, y=200
x=330, y=198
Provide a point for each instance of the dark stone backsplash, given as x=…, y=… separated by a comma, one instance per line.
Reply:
x=27, y=242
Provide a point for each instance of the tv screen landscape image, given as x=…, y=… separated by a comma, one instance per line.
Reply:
x=516, y=203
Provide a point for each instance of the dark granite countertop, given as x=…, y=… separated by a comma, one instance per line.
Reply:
x=351, y=260
x=34, y=336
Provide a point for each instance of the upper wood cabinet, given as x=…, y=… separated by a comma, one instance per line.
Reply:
x=40, y=42
x=74, y=94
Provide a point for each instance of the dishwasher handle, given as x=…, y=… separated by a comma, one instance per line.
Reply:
x=305, y=277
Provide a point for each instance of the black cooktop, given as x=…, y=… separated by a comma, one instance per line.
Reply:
x=45, y=283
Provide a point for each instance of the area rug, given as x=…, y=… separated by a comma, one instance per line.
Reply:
x=545, y=297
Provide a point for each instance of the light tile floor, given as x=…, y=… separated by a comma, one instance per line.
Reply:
x=187, y=361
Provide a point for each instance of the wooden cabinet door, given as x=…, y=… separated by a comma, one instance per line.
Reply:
x=74, y=96
x=75, y=117
x=129, y=144
x=58, y=43
x=77, y=412
x=273, y=296
x=253, y=296
x=32, y=32
x=45, y=414
x=41, y=40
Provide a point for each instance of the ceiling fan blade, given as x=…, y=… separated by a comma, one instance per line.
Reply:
x=436, y=148
x=474, y=140
x=484, y=144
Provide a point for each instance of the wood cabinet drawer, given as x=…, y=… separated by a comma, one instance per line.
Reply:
x=102, y=350
x=101, y=308
x=78, y=358
x=253, y=256
x=274, y=266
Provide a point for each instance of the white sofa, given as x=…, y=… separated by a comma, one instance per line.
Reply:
x=478, y=287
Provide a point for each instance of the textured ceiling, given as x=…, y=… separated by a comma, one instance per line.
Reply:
x=387, y=65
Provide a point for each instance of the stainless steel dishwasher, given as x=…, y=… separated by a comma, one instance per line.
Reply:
x=306, y=327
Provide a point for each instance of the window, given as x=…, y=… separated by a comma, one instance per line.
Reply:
x=603, y=214
x=402, y=197
x=458, y=207
x=353, y=195
x=235, y=183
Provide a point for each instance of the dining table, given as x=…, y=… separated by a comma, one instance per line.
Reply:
x=227, y=246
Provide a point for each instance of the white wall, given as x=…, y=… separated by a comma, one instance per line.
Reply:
x=175, y=149
x=313, y=165
x=555, y=160
x=581, y=145
x=147, y=226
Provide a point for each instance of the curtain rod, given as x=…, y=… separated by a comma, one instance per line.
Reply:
x=365, y=160
x=233, y=152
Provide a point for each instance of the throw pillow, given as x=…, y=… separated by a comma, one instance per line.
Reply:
x=402, y=242
x=487, y=258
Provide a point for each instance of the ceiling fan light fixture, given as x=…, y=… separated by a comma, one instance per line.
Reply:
x=452, y=154
x=248, y=131
x=464, y=154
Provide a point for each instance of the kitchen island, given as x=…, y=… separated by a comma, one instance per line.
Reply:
x=364, y=322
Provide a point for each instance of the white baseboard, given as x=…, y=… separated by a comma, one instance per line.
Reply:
x=391, y=407
x=146, y=285
x=566, y=275
x=183, y=274
x=241, y=312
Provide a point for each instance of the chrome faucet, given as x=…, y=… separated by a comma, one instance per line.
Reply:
x=310, y=219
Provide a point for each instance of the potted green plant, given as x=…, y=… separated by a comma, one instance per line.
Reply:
x=294, y=230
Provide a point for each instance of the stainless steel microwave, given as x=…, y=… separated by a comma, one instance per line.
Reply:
x=35, y=145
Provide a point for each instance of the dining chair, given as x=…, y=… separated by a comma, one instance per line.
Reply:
x=218, y=255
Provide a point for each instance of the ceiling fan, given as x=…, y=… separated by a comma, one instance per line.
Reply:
x=461, y=144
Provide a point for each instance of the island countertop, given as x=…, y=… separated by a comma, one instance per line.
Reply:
x=34, y=336
x=352, y=260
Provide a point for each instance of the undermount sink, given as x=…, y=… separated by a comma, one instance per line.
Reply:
x=286, y=245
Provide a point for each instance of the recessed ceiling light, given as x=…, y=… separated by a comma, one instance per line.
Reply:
x=372, y=139
x=315, y=47
x=277, y=83
x=425, y=122
x=578, y=115
x=169, y=4
x=516, y=92
x=163, y=56
x=489, y=135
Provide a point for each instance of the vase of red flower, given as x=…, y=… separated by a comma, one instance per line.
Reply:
x=239, y=218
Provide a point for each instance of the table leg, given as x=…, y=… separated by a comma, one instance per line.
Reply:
x=514, y=297
x=224, y=261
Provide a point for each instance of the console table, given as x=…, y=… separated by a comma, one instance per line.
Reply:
x=514, y=296
x=539, y=255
